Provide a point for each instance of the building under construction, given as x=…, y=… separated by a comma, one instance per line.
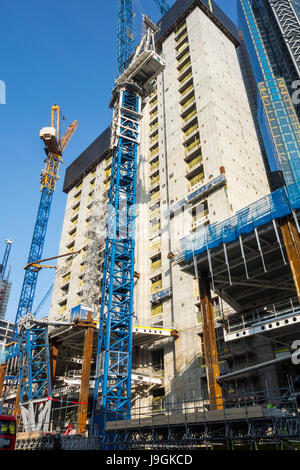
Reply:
x=212, y=258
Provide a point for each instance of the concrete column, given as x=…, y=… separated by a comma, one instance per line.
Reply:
x=292, y=245
x=85, y=375
x=268, y=375
x=210, y=343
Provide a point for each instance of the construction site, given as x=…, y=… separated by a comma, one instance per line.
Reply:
x=174, y=313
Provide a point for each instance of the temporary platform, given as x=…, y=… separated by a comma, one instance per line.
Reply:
x=245, y=255
x=281, y=203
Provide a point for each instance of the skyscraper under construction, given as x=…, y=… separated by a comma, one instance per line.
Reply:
x=199, y=162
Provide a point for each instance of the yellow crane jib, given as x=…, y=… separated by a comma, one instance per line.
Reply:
x=67, y=135
x=54, y=148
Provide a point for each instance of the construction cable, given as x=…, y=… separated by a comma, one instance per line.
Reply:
x=67, y=401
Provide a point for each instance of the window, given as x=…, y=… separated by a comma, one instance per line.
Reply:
x=66, y=278
x=156, y=284
x=158, y=401
x=200, y=211
x=156, y=262
x=197, y=179
x=157, y=359
x=62, y=307
x=156, y=309
x=198, y=317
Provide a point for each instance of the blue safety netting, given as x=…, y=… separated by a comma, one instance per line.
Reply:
x=276, y=205
x=8, y=353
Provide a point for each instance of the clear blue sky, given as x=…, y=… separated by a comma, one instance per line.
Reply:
x=62, y=52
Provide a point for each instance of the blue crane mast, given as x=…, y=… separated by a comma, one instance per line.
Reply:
x=164, y=7
x=125, y=33
x=8, y=242
x=112, y=391
x=35, y=253
x=4, y=285
x=126, y=30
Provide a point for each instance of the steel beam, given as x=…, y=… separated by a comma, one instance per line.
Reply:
x=53, y=360
x=2, y=377
x=238, y=373
x=292, y=245
x=85, y=375
x=210, y=343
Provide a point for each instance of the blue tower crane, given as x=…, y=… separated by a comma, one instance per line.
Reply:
x=164, y=7
x=30, y=338
x=125, y=33
x=54, y=148
x=112, y=391
x=32, y=335
x=126, y=30
x=8, y=242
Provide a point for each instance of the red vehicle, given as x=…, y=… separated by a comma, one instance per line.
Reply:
x=7, y=432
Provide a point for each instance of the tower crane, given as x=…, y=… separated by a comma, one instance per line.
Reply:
x=31, y=336
x=126, y=30
x=164, y=7
x=54, y=148
x=30, y=340
x=8, y=242
x=3, y=278
x=112, y=390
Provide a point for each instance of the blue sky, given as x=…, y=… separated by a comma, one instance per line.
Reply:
x=64, y=53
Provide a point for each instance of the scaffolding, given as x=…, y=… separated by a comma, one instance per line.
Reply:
x=95, y=233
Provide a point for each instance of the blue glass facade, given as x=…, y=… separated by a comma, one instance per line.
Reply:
x=276, y=114
x=296, y=5
x=272, y=23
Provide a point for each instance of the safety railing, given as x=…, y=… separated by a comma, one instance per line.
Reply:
x=275, y=402
x=266, y=314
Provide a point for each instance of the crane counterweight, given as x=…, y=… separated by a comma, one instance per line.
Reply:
x=49, y=137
